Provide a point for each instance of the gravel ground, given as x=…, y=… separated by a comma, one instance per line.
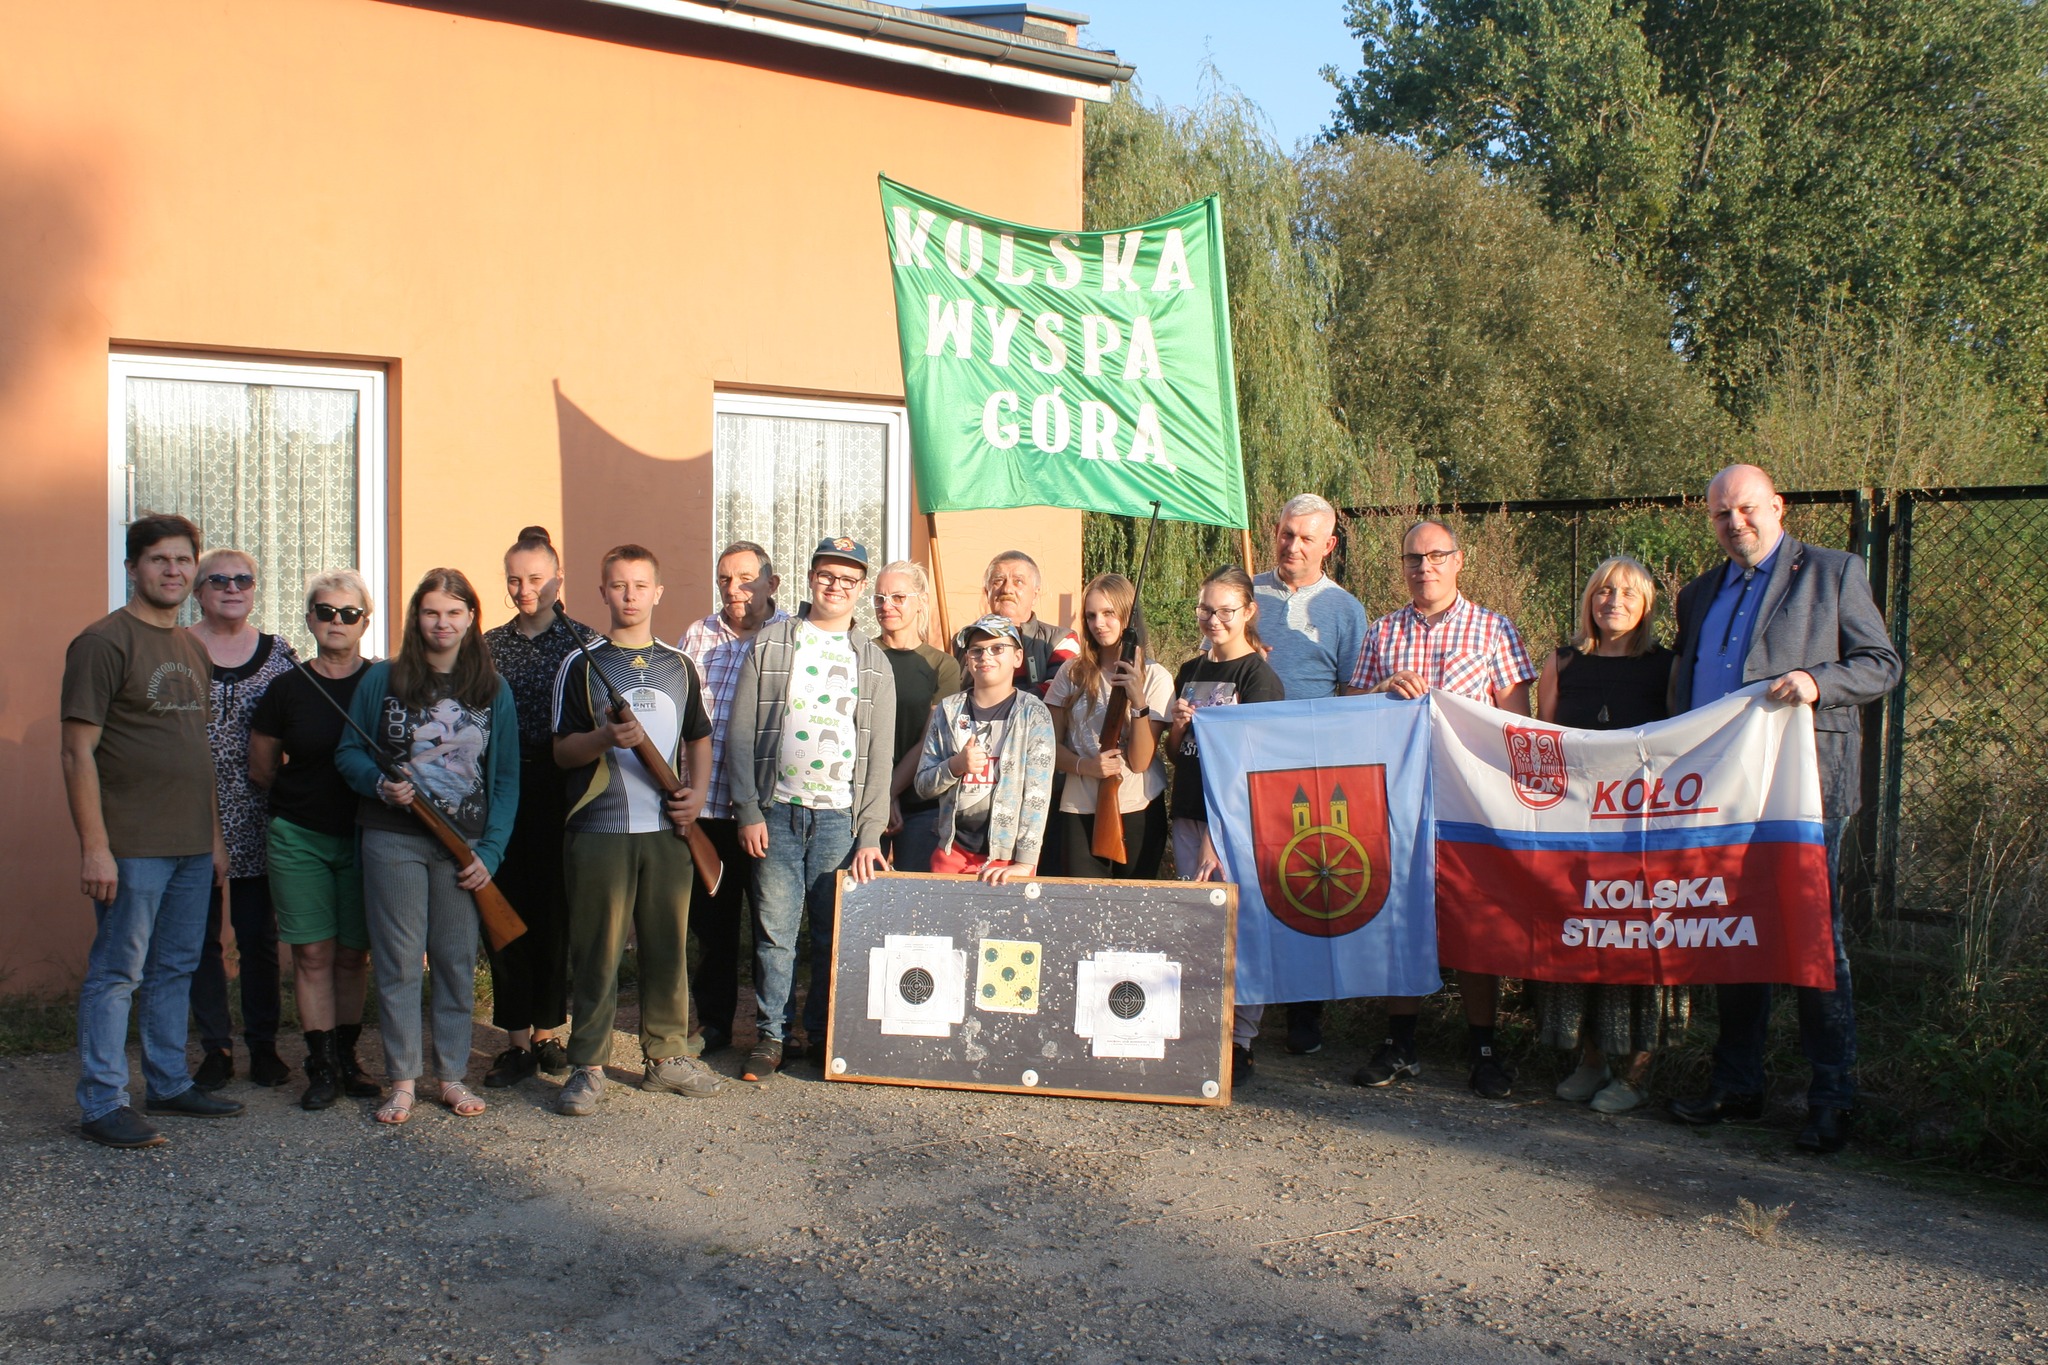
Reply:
x=807, y=1220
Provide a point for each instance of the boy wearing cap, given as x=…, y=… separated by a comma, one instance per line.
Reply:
x=988, y=759
x=809, y=740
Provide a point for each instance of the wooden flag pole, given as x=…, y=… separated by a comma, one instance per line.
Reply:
x=931, y=535
x=1244, y=538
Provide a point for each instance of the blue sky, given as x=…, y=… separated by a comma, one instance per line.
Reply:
x=1270, y=49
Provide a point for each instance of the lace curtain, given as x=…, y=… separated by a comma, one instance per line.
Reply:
x=263, y=468
x=786, y=483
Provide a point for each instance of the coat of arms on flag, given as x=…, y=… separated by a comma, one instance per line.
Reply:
x=1320, y=840
x=1320, y=811
x=1536, y=758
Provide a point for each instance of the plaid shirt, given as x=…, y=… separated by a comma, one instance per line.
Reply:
x=717, y=649
x=1470, y=650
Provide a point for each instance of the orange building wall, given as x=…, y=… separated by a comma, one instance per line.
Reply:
x=561, y=242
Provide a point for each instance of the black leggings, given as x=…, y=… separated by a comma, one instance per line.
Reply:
x=1144, y=841
x=530, y=975
x=256, y=944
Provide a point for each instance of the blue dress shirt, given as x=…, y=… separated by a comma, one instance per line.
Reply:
x=1729, y=626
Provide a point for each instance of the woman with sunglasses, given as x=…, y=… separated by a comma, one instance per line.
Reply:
x=1233, y=671
x=315, y=880
x=245, y=661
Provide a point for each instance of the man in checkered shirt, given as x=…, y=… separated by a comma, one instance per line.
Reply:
x=1441, y=640
x=716, y=644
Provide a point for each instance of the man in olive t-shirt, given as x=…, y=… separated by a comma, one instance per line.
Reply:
x=138, y=773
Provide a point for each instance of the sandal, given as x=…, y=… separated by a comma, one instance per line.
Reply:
x=397, y=1109
x=462, y=1102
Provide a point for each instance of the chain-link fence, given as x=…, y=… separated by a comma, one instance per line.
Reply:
x=1958, y=755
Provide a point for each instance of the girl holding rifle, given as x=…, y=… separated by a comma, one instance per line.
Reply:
x=1079, y=696
x=416, y=899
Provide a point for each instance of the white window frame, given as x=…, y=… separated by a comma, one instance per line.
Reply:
x=366, y=382
x=896, y=492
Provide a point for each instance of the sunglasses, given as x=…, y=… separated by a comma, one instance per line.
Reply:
x=224, y=581
x=348, y=616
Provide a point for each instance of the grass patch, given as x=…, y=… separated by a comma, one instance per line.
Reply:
x=38, y=1023
x=1760, y=1223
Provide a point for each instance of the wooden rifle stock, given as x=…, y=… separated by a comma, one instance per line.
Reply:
x=501, y=922
x=1108, y=843
x=710, y=868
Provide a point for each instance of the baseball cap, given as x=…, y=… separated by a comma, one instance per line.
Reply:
x=840, y=547
x=1001, y=627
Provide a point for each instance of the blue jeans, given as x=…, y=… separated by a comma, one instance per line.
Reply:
x=806, y=849
x=146, y=946
x=1827, y=1019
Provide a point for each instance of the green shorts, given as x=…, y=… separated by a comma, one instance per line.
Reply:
x=317, y=886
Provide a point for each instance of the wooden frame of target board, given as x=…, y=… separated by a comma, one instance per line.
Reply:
x=1051, y=986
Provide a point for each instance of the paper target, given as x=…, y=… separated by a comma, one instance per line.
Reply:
x=917, y=985
x=1127, y=1004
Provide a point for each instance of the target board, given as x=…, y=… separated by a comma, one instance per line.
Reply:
x=1055, y=986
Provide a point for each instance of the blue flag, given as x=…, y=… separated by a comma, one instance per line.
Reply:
x=1320, y=812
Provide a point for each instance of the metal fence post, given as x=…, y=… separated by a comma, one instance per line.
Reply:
x=1870, y=537
x=1895, y=706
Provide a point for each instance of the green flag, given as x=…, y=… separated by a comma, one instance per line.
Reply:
x=1066, y=369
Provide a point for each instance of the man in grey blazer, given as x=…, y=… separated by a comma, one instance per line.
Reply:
x=1803, y=618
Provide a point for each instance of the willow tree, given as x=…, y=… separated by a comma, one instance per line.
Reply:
x=1143, y=160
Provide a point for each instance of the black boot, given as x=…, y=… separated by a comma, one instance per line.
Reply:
x=265, y=1066
x=323, y=1071
x=353, y=1082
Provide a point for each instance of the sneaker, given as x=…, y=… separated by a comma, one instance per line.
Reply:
x=1584, y=1084
x=682, y=1076
x=550, y=1058
x=764, y=1061
x=1388, y=1065
x=584, y=1092
x=192, y=1103
x=1617, y=1097
x=216, y=1071
x=514, y=1065
x=1489, y=1078
x=1242, y=1067
x=266, y=1067
x=122, y=1128
x=712, y=1039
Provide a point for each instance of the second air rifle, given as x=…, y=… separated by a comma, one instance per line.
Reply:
x=710, y=868
x=1108, y=843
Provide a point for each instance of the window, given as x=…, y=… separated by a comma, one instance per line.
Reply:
x=787, y=472
x=283, y=461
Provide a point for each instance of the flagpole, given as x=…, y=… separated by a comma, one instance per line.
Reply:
x=931, y=536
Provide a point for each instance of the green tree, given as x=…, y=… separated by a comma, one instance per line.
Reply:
x=1480, y=339
x=1767, y=164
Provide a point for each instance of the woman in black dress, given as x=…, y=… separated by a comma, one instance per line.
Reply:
x=1612, y=677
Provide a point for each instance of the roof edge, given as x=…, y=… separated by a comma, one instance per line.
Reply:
x=910, y=37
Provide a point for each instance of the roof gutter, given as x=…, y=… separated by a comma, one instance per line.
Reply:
x=909, y=38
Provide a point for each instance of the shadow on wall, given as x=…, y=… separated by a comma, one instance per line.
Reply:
x=53, y=343
x=613, y=494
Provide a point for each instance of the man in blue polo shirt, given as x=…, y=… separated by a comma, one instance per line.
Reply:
x=1314, y=630
x=1802, y=617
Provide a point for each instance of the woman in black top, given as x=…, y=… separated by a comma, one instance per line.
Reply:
x=1613, y=677
x=315, y=881
x=530, y=975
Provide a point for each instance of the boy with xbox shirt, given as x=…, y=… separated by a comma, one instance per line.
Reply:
x=624, y=862
x=809, y=743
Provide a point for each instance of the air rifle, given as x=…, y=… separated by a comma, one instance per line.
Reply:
x=1108, y=843
x=501, y=922
x=710, y=870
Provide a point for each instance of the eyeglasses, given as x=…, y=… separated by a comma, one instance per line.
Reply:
x=892, y=599
x=1435, y=558
x=837, y=582
x=987, y=652
x=224, y=581
x=1218, y=613
x=327, y=611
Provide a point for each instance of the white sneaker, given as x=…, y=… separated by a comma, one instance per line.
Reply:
x=1584, y=1083
x=1618, y=1097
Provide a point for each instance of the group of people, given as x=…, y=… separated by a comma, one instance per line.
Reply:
x=213, y=760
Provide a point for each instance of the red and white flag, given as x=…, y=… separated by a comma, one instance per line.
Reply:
x=1685, y=852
